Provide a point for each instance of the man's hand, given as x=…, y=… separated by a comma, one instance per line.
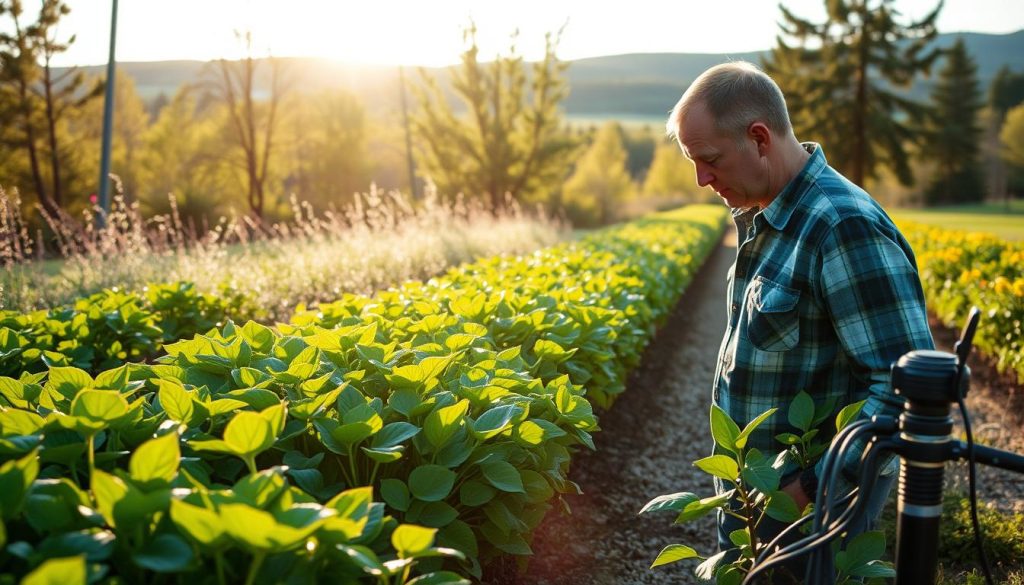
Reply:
x=797, y=493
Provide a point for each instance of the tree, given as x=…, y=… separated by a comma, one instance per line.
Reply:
x=600, y=180
x=1012, y=137
x=328, y=150
x=1005, y=92
x=954, y=132
x=671, y=175
x=253, y=124
x=18, y=74
x=842, y=76
x=180, y=157
x=511, y=140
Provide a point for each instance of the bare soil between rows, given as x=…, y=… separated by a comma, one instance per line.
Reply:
x=650, y=438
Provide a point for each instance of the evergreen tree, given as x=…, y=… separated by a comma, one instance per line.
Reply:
x=600, y=180
x=510, y=142
x=954, y=132
x=842, y=79
x=36, y=104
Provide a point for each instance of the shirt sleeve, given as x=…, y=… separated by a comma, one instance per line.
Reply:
x=872, y=292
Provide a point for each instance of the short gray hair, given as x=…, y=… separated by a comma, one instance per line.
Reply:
x=736, y=94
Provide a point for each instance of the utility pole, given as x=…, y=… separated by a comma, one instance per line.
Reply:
x=408, y=133
x=108, y=123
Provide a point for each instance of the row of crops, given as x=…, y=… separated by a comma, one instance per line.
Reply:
x=960, y=269
x=409, y=436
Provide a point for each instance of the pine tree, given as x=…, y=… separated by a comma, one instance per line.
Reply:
x=954, y=131
x=600, y=180
x=842, y=79
x=511, y=141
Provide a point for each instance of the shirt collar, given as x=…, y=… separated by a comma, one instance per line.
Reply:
x=779, y=211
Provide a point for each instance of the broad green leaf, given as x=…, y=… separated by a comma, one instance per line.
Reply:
x=175, y=400
x=156, y=460
x=536, y=431
x=14, y=421
x=433, y=514
x=474, y=493
x=781, y=507
x=393, y=434
x=166, y=553
x=724, y=429
x=706, y=570
x=200, y=524
x=431, y=483
x=674, y=502
x=65, y=571
x=96, y=545
x=864, y=548
x=395, y=493
x=248, y=434
x=875, y=570
x=801, y=411
x=759, y=473
x=68, y=381
x=15, y=478
x=109, y=491
x=741, y=439
x=503, y=476
x=442, y=423
x=104, y=407
x=276, y=415
x=673, y=553
x=494, y=421
x=848, y=414
x=787, y=438
x=702, y=507
x=721, y=466
x=410, y=540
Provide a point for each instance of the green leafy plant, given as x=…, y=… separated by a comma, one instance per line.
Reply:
x=752, y=480
x=458, y=402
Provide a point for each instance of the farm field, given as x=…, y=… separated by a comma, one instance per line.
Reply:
x=993, y=218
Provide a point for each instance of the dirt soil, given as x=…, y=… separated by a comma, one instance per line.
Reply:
x=650, y=438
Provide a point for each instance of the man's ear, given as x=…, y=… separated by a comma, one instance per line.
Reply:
x=761, y=135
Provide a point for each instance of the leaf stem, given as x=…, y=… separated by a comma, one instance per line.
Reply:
x=254, y=568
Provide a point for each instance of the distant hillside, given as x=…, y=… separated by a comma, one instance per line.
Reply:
x=635, y=86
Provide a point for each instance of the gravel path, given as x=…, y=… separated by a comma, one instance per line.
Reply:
x=646, y=447
x=651, y=437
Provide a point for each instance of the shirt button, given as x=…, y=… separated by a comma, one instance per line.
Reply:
x=735, y=307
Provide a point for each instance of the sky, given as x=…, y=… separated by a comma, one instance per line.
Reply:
x=421, y=32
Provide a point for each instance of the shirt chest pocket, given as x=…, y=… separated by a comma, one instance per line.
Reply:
x=773, y=317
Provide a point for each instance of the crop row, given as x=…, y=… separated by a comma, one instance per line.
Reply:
x=251, y=453
x=960, y=269
x=110, y=327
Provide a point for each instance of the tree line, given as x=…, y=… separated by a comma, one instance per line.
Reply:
x=245, y=137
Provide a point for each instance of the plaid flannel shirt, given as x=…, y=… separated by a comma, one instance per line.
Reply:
x=823, y=297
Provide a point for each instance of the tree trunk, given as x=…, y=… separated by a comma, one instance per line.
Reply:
x=51, y=129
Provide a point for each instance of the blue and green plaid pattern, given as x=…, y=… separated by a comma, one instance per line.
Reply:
x=823, y=297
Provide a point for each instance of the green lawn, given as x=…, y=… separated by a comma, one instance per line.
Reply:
x=993, y=218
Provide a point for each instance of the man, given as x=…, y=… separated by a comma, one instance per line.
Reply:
x=824, y=294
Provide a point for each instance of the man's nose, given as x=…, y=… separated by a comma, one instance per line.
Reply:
x=704, y=177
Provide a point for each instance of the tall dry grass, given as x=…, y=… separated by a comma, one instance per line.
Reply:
x=382, y=239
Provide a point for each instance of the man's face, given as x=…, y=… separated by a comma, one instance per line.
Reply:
x=732, y=167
